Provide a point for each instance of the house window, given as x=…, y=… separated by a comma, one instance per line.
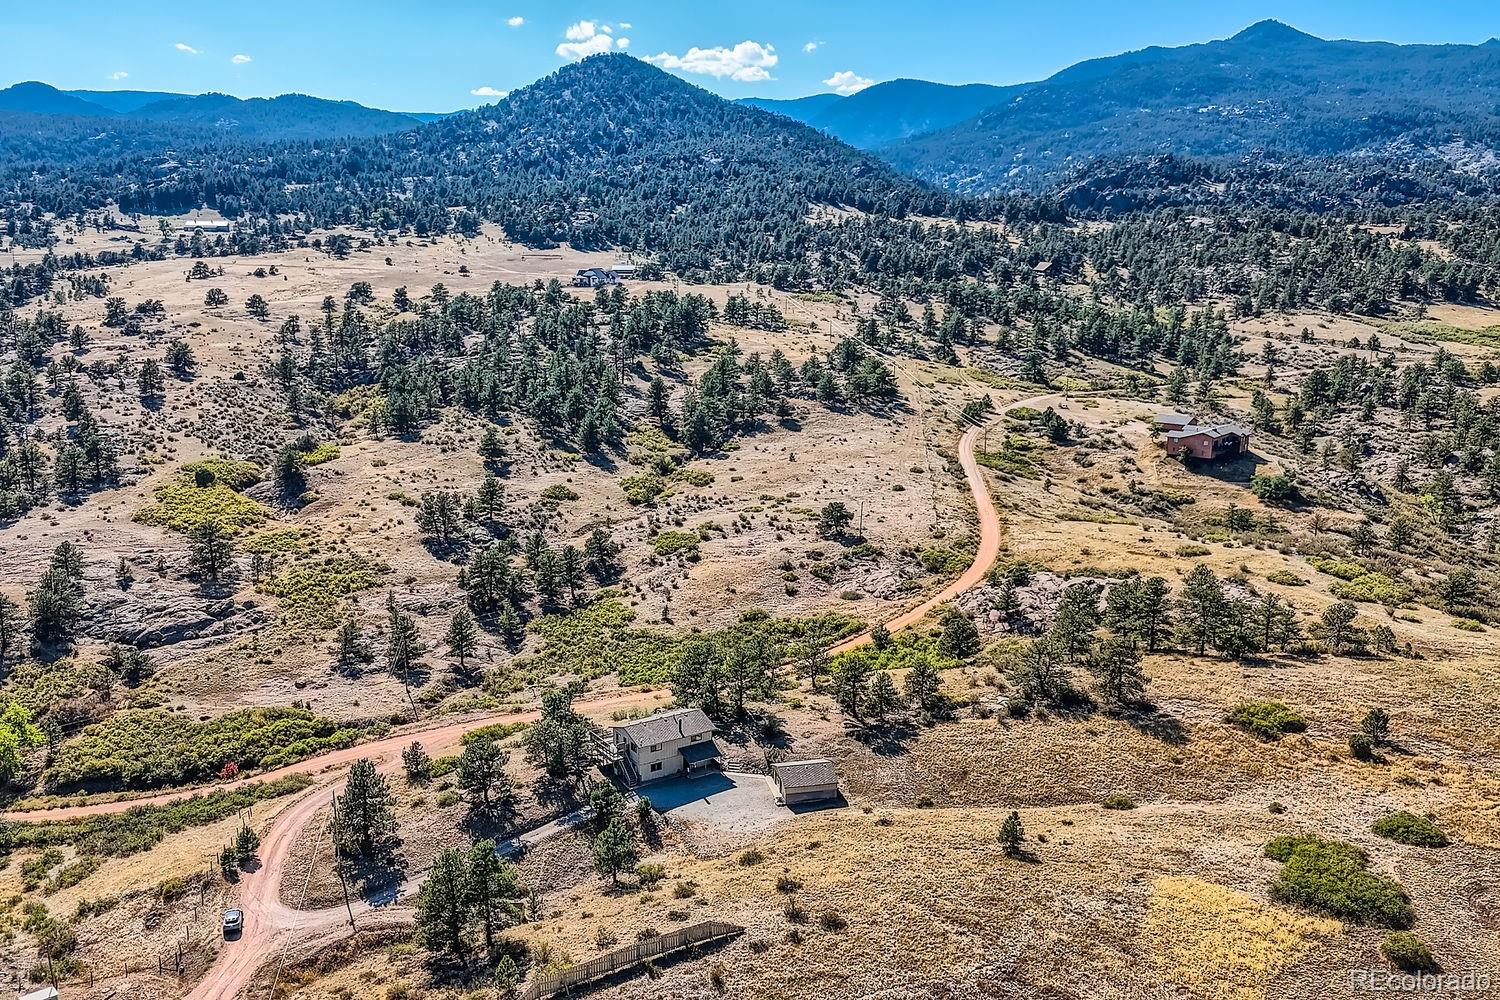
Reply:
x=697, y=737
x=656, y=748
x=656, y=766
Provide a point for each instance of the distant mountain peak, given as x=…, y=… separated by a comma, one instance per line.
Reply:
x=1273, y=32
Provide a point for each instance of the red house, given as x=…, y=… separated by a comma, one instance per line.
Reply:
x=1211, y=442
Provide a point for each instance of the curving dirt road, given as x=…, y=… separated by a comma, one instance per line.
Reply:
x=271, y=926
x=989, y=534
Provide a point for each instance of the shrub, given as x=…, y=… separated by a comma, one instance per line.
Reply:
x=671, y=543
x=1269, y=720
x=832, y=920
x=558, y=493
x=141, y=828
x=1334, y=878
x=183, y=504
x=1118, y=801
x=309, y=593
x=151, y=748
x=1468, y=625
x=1361, y=747
x=795, y=911
x=1286, y=578
x=751, y=856
x=1373, y=588
x=1409, y=828
x=787, y=885
x=1405, y=951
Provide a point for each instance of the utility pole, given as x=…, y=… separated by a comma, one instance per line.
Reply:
x=338, y=859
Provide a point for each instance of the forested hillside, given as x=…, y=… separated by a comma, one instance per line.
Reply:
x=1270, y=88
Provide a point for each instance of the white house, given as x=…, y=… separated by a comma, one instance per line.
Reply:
x=675, y=741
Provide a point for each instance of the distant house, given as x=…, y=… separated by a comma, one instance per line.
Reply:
x=676, y=741
x=1210, y=442
x=800, y=782
x=594, y=277
x=1175, y=421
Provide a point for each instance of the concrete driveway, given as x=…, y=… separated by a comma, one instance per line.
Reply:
x=733, y=802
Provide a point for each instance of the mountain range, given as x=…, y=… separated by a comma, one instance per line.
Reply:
x=290, y=116
x=1269, y=89
x=889, y=111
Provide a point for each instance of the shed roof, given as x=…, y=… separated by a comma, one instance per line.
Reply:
x=672, y=724
x=797, y=774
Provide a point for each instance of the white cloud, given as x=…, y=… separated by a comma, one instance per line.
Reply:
x=184, y=47
x=586, y=38
x=118, y=75
x=812, y=47
x=626, y=26
x=747, y=62
x=847, y=82
x=241, y=59
x=489, y=92
x=516, y=22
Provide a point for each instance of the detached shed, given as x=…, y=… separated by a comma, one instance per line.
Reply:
x=804, y=781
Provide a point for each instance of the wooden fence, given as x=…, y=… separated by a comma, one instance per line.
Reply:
x=624, y=958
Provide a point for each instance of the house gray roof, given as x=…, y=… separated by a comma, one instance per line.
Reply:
x=664, y=727
x=797, y=774
x=1213, y=431
x=1181, y=419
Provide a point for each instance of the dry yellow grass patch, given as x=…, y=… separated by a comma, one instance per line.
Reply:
x=1221, y=943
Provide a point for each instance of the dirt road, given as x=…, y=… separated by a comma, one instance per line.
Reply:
x=989, y=534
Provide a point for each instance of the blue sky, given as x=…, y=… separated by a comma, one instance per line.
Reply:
x=447, y=54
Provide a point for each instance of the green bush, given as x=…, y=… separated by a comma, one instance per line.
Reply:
x=1409, y=828
x=1118, y=801
x=1286, y=578
x=1373, y=588
x=672, y=542
x=141, y=828
x=1334, y=878
x=183, y=504
x=153, y=748
x=558, y=493
x=643, y=487
x=310, y=592
x=1269, y=720
x=1405, y=951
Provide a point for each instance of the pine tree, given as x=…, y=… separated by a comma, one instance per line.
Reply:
x=615, y=850
x=462, y=637
x=1117, y=667
x=481, y=775
x=352, y=647
x=417, y=763
x=1012, y=834
x=882, y=699
x=924, y=686
x=364, y=820
x=402, y=650
x=491, y=889
x=210, y=550
x=959, y=639
x=444, y=905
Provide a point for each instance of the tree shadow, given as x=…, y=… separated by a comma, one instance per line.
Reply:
x=1148, y=720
